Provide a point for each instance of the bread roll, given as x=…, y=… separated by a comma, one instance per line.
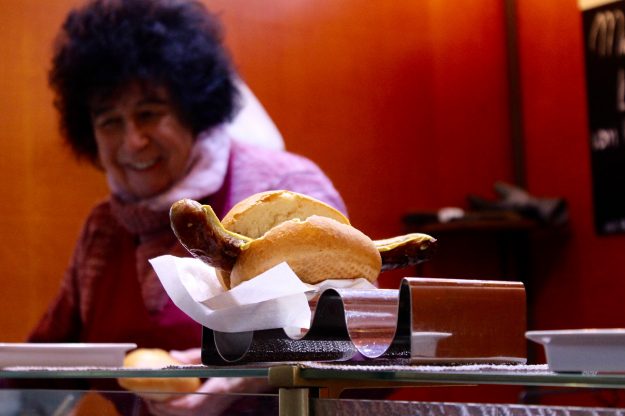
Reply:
x=259, y=213
x=156, y=388
x=317, y=249
x=282, y=224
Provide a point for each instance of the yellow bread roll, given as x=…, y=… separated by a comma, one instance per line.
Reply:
x=156, y=388
x=257, y=214
x=317, y=249
x=261, y=212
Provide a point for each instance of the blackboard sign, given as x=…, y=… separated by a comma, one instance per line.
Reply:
x=604, y=39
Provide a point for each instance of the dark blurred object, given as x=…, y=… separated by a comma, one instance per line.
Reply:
x=453, y=217
x=491, y=245
x=546, y=211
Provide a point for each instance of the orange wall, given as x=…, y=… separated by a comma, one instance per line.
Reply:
x=393, y=99
x=45, y=193
x=582, y=282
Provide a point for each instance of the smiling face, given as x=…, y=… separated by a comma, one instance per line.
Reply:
x=142, y=144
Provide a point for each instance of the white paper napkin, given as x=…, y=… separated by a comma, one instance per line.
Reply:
x=273, y=299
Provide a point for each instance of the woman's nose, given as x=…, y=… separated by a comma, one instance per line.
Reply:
x=135, y=137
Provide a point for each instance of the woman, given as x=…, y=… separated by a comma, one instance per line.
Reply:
x=144, y=89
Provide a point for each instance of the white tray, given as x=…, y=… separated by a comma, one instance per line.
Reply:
x=63, y=354
x=579, y=350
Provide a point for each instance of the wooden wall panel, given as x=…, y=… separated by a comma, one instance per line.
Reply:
x=397, y=101
x=46, y=194
x=580, y=284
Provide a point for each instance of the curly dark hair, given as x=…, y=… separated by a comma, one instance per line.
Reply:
x=107, y=44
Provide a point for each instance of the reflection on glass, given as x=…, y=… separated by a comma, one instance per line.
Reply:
x=392, y=408
x=78, y=403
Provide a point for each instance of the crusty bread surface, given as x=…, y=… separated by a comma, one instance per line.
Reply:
x=317, y=249
x=156, y=388
x=259, y=213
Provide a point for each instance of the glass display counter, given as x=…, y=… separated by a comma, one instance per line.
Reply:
x=314, y=388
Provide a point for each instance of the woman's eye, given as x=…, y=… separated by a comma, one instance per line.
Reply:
x=108, y=123
x=149, y=115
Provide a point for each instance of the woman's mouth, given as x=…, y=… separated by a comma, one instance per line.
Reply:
x=142, y=165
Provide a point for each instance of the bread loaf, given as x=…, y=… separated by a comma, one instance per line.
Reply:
x=312, y=237
x=317, y=249
x=156, y=388
x=257, y=214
